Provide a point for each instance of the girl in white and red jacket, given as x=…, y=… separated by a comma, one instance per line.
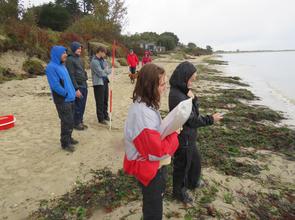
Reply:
x=145, y=153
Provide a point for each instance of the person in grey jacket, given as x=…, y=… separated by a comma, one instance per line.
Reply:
x=100, y=71
x=79, y=78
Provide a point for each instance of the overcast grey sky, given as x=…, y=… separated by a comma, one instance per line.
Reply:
x=223, y=24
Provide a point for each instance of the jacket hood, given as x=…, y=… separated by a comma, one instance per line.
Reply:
x=74, y=46
x=56, y=52
x=181, y=75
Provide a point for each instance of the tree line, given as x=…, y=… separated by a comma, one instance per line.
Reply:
x=36, y=28
x=94, y=17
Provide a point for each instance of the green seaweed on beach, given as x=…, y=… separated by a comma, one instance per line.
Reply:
x=215, y=62
x=278, y=203
x=237, y=93
x=201, y=68
x=203, y=207
x=242, y=128
x=105, y=189
x=205, y=72
x=221, y=79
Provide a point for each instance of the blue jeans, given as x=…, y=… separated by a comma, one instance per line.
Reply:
x=80, y=104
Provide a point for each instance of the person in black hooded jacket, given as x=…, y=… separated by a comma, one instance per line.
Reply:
x=187, y=159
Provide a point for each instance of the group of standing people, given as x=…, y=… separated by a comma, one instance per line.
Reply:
x=146, y=154
x=67, y=79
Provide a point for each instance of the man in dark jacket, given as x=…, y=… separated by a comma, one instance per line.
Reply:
x=79, y=78
x=63, y=94
x=187, y=159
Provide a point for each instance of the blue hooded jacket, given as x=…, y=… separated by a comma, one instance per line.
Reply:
x=58, y=77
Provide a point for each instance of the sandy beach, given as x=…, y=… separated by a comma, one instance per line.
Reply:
x=33, y=166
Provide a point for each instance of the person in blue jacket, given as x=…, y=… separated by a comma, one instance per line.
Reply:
x=63, y=93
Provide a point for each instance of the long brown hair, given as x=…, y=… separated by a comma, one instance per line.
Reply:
x=147, y=84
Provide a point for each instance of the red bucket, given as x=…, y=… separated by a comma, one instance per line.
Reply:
x=7, y=122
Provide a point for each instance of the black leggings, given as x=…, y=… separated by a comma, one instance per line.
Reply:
x=186, y=168
x=153, y=196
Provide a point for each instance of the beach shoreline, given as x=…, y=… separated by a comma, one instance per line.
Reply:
x=265, y=85
x=35, y=168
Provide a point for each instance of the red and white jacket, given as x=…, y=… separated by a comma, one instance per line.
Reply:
x=144, y=148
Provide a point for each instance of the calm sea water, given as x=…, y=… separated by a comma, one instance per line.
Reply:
x=271, y=76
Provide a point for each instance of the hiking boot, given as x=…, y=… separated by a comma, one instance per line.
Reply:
x=73, y=141
x=79, y=127
x=103, y=122
x=183, y=196
x=201, y=184
x=107, y=118
x=68, y=147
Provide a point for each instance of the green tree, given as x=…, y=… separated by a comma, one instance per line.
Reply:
x=197, y=51
x=209, y=48
x=9, y=9
x=31, y=17
x=112, y=10
x=167, y=41
x=101, y=9
x=172, y=35
x=72, y=6
x=104, y=22
x=54, y=16
x=117, y=12
x=100, y=29
x=137, y=37
x=150, y=36
x=191, y=45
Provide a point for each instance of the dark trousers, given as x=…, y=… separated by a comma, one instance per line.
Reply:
x=66, y=114
x=132, y=70
x=186, y=168
x=80, y=104
x=153, y=196
x=101, y=95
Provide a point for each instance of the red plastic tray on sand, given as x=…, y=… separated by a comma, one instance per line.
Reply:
x=7, y=122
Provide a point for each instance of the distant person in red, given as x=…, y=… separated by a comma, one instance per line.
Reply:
x=146, y=58
x=132, y=61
